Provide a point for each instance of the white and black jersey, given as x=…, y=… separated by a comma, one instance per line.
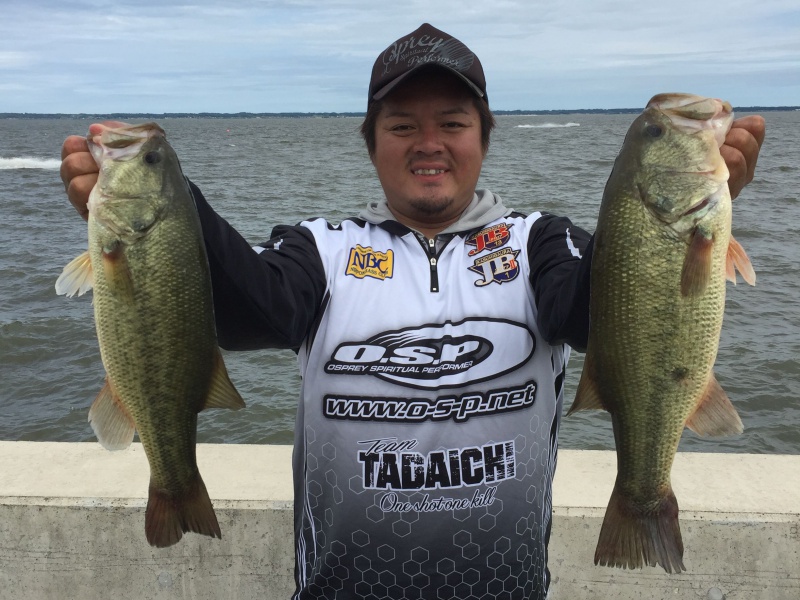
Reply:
x=432, y=371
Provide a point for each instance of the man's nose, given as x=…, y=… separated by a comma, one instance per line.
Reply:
x=429, y=140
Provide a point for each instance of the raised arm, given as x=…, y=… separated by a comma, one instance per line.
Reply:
x=268, y=297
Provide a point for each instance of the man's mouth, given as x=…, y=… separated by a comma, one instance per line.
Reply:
x=427, y=171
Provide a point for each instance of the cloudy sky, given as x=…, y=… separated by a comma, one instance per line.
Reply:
x=96, y=56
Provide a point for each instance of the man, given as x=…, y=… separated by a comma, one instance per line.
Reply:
x=432, y=336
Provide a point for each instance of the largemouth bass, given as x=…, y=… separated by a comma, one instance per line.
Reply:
x=662, y=253
x=148, y=270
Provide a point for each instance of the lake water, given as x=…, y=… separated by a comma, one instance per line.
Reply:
x=261, y=172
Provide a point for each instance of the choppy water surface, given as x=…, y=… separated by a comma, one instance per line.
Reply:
x=261, y=172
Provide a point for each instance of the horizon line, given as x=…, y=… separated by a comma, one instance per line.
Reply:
x=521, y=112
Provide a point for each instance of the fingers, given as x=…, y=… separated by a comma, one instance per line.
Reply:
x=740, y=151
x=78, y=168
x=80, y=185
x=74, y=143
x=78, y=172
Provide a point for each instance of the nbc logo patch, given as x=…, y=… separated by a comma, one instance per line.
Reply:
x=366, y=262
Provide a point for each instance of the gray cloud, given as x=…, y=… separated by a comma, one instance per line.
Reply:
x=252, y=55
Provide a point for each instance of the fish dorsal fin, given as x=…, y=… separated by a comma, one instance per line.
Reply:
x=696, y=271
x=221, y=393
x=587, y=397
x=77, y=277
x=715, y=415
x=110, y=420
x=737, y=260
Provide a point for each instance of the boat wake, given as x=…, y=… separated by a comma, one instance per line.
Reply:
x=23, y=162
x=549, y=125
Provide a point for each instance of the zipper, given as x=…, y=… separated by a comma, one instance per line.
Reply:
x=433, y=260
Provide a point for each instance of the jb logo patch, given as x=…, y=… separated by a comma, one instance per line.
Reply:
x=500, y=266
x=490, y=238
x=366, y=262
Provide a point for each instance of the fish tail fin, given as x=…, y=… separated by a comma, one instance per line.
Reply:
x=168, y=515
x=632, y=538
x=737, y=260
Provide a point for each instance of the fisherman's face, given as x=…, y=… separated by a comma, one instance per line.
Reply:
x=428, y=151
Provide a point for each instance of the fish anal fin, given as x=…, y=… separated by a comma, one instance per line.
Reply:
x=715, y=415
x=587, y=396
x=737, y=260
x=697, y=265
x=77, y=277
x=117, y=271
x=169, y=515
x=632, y=538
x=110, y=420
x=221, y=392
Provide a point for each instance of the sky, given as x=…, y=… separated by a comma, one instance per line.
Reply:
x=157, y=56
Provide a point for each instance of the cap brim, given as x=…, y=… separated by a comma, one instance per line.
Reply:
x=381, y=93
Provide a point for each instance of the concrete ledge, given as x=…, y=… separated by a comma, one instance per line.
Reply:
x=740, y=521
x=72, y=526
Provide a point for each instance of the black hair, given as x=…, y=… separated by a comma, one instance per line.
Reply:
x=373, y=110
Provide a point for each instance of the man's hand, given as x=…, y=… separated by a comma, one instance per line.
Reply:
x=78, y=168
x=740, y=151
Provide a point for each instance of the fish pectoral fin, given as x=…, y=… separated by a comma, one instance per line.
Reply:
x=110, y=420
x=117, y=271
x=715, y=415
x=696, y=271
x=221, y=392
x=77, y=277
x=737, y=260
x=587, y=397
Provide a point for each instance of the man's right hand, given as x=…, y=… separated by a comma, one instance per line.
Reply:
x=78, y=168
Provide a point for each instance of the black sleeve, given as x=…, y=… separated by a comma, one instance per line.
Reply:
x=560, y=256
x=266, y=300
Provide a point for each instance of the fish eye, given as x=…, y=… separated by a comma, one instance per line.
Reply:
x=653, y=130
x=152, y=158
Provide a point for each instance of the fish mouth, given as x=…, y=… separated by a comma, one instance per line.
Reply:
x=121, y=143
x=691, y=113
x=691, y=106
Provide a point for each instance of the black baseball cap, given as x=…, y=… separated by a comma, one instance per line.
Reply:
x=425, y=47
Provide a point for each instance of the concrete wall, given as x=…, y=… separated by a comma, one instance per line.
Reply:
x=72, y=526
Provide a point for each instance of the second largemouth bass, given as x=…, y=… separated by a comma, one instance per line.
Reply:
x=662, y=252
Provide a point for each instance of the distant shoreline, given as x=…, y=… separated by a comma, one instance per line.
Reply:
x=252, y=115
